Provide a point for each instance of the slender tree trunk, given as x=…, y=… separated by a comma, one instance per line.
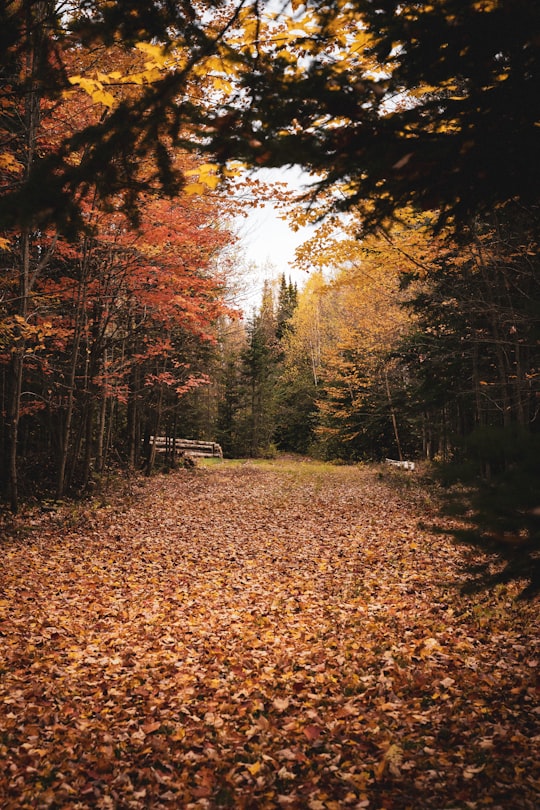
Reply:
x=476, y=384
x=519, y=388
x=132, y=417
x=174, y=437
x=109, y=431
x=103, y=406
x=88, y=439
x=315, y=346
x=100, y=439
x=157, y=425
x=393, y=415
x=75, y=354
x=427, y=436
x=13, y=431
x=66, y=431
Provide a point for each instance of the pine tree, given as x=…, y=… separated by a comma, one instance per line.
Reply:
x=261, y=361
x=286, y=304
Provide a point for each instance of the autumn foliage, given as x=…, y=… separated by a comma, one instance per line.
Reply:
x=277, y=635
x=103, y=322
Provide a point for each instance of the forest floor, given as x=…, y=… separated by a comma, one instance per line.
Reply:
x=261, y=635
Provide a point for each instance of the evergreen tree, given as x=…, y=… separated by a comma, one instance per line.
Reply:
x=286, y=304
x=232, y=407
x=261, y=361
x=295, y=392
x=297, y=389
x=474, y=352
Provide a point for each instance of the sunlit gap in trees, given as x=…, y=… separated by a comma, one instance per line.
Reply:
x=267, y=239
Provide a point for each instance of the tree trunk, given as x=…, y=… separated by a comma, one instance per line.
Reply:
x=393, y=416
x=100, y=439
x=75, y=353
x=13, y=429
x=153, y=446
x=88, y=439
x=132, y=416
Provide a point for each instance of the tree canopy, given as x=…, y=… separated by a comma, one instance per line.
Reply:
x=388, y=103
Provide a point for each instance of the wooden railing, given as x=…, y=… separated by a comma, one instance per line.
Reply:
x=405, y=465
x=188, y=447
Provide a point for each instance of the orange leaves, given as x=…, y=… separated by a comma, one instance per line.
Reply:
x=185, y=647
x=9, y=164
x=312, y=732
x=149, y=728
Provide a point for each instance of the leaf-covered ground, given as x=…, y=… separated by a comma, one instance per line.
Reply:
x=260, y=636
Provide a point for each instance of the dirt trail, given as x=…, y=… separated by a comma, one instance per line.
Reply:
x=260, y=636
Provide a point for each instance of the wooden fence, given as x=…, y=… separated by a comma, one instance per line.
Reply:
x=405, y=465
x=187, y=447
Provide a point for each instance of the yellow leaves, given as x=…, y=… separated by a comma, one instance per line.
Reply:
x=194, y=188
x=423, y=90
x=103, y=97
x=157, y=52
x=222, y=85
x=246, y=37
x=5, y=244
x=217, y=74
x=430, y=646
x=208, y=179
x=289, y=34
x=484, y=6
x=178, y=734
x=8, y=163
x=361, y=41
x=134, y=78
x=390, y=761
x=203, y=170
x=95, y=83
x=215, y=63
x=357, y=315
x=254, y=768
x=94, y=88
x=16, y=330
x=234, y=169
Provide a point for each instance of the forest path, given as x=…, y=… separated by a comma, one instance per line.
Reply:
x=261, y=635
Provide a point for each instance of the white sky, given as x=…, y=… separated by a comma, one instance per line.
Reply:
x=267, y=241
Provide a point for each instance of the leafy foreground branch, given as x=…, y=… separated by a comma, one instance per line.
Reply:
x=261, y=636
